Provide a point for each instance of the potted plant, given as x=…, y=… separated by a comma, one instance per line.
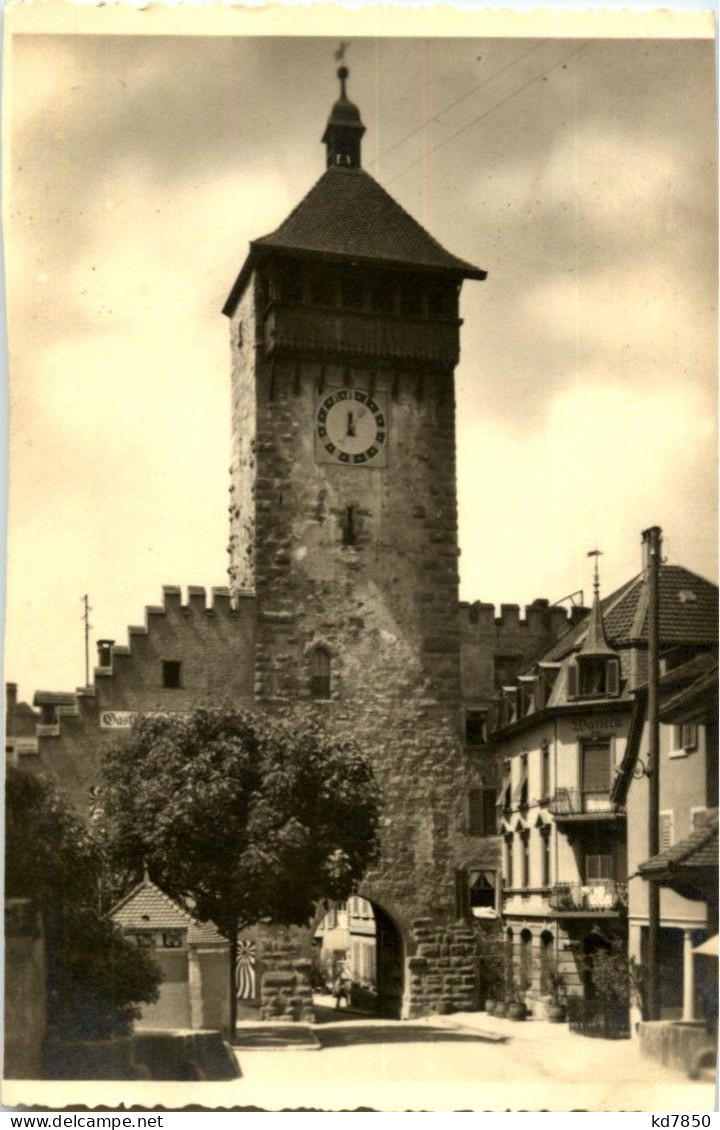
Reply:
x=556, y=1009
x=491, y=966
x=516, y=1007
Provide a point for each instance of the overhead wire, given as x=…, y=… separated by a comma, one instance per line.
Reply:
x=451, y=105
x=479, y=118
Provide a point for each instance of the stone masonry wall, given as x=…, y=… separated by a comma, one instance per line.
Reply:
x=213, y=642
x=443, y=970
x=385, y=608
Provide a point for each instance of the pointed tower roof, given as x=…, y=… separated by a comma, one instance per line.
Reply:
x=348, y=215
x=596, y=644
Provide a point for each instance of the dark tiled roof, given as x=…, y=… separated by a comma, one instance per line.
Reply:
x=147, y=907
x=688, y=613
x=699, y=849
x=348, y=214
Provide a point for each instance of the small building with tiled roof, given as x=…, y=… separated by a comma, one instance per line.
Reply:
x=193, y=957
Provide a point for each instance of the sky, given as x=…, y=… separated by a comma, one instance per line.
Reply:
x=579, y=173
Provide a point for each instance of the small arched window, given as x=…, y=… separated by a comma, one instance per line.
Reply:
x=320, y=673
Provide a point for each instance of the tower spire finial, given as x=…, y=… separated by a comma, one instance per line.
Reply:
x=596, y=553
x=344, y=130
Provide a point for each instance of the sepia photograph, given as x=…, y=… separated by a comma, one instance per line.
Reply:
x=361, y=618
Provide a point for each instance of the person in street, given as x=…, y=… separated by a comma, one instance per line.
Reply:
x=341, y=987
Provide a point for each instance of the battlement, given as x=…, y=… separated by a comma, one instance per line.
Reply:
x=479, y=618
x=221, y=601
x=200, y=651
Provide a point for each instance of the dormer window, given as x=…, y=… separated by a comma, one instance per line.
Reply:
x=596, y=676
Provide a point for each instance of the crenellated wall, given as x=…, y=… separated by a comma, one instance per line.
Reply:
x=486, y=637
x=213, y=642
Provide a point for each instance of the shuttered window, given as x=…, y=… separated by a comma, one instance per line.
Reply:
x=665, y=830
x=596, y=767
x=482, y=817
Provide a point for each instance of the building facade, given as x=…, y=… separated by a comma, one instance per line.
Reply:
x=686, y=867
x=567, y=731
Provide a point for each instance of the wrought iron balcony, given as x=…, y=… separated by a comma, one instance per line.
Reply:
x=600, y=896
x=581, y=804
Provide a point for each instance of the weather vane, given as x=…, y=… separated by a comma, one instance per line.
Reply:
x=596, y=579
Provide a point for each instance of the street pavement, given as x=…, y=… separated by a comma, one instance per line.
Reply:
x=441, y=1063
x=444, y=1064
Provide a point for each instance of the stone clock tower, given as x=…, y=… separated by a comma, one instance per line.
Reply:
x=343, y=515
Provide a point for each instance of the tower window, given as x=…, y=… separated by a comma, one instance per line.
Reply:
x=411, y=302
x=383, y=298
x=475, y=727
x=349, y=527
x=172, y=674
x=482, y=805
x=320, y=673
x=290, y=287
x=351, y=291
x=322, y=290
x=505, y=669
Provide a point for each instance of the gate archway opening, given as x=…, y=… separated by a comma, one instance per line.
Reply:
x=358, y=960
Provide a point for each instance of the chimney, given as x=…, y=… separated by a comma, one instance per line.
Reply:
x=10, y=704
x=104, y=648
x=650, y=542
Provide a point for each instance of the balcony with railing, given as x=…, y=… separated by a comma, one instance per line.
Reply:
x=598, y=896
x=360, y=333
x=582, y=804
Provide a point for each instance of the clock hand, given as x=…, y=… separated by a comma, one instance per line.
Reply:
x=350, y=425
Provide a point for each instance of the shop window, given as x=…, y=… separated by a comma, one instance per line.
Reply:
x=172, y=674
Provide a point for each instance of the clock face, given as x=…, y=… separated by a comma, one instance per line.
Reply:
x=351, y=427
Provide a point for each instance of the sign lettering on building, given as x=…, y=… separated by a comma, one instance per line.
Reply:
x=596, y=723
x=123, y=719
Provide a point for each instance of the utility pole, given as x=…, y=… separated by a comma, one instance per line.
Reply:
x=652, y=541
x=86, y=617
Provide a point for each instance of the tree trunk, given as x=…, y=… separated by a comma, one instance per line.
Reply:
x=233, y=986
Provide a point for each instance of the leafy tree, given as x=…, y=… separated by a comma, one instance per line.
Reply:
x=95, y=977
x=244, y=817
